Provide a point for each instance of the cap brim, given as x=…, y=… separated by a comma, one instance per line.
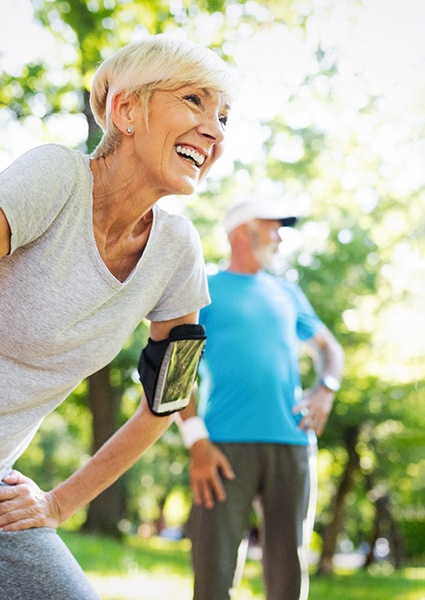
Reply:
x=288, y=221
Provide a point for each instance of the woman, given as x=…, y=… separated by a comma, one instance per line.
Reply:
x=85, y=255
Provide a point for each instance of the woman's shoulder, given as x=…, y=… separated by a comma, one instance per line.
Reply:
x=175, y=222
x=36, y=187
x=53, y=151
x=51, y=158
x=175, y=235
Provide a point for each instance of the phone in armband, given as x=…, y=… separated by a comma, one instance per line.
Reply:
x=168, y=368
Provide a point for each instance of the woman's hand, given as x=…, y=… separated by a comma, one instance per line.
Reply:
x=23, y=505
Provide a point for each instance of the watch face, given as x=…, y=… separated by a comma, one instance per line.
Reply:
x=330, y=382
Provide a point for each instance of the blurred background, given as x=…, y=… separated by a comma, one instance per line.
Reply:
x=331, y=117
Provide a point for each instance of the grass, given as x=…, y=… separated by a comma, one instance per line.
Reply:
x=154, y=569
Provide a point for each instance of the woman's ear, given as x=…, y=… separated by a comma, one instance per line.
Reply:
x=123, y=112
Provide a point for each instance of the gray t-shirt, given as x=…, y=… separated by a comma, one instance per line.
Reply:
x=63, y=315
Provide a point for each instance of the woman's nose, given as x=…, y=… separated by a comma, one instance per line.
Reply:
x=212, y=127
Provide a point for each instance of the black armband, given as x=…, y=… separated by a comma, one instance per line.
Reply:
x=168, y=368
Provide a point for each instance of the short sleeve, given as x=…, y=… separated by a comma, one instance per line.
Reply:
x=187, y=288
x=34, y=189
x=308, y=323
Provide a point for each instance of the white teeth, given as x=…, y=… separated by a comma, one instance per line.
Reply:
x=198, y=158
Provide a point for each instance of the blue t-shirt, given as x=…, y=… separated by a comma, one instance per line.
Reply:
x=250, y=369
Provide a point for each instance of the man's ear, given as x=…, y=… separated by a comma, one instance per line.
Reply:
x=245, y=231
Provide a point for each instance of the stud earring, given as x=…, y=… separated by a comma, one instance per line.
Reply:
x=129, y=130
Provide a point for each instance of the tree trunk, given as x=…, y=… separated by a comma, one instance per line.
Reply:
x=94, y=131
x=160, y=522
x=107, y=509
x=332, y=530
x=384, y=526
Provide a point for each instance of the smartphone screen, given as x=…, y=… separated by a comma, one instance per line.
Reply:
x=177, y=375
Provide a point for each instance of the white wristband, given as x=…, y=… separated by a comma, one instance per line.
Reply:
x=192, y=430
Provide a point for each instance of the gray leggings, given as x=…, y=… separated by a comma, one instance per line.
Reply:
x=35, y=564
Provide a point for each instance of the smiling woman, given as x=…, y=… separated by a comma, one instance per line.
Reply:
x=110, y=257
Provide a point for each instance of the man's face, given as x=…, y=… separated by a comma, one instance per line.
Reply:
x=265, y=240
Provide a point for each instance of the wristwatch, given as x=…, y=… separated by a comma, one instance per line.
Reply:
x=330, y=383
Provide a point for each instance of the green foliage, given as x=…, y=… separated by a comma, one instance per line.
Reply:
x=413, y=530
x=60, y=444
x=160, y=474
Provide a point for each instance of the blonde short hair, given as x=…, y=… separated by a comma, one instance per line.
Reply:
x=155, y=63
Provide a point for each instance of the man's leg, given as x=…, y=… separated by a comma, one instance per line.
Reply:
x=284, y=499
x=216, y=534
x=35, y=564
x=312, y=496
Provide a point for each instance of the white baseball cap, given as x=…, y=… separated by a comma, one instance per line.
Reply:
x=264, y=208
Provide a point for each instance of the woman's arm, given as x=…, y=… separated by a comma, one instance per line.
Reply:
x=23, y=505
x=5, y=235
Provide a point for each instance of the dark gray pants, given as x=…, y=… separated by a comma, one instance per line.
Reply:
x=35, y=564
x=278, y=476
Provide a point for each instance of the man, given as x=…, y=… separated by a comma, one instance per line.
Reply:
x=253, y=440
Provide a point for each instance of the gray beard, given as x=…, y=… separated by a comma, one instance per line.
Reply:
x=266, y=255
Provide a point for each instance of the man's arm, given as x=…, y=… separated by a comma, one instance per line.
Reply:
x=207, y=462
x=329, y=363
x=23, y=505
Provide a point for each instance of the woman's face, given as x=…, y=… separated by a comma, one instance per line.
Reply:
x=184, y=138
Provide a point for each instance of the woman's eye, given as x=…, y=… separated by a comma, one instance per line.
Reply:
x=223, y=120
x=193, y=98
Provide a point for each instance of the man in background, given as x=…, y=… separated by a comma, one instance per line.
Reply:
x=256, y=430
